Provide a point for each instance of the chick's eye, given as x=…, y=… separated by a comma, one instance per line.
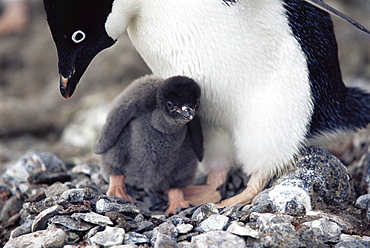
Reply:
x=78, y=36
x=170, y=106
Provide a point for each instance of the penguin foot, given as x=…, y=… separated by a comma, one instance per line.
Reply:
x=255, y=185
x=202, y=194
x=117, y=188
x=176, y=200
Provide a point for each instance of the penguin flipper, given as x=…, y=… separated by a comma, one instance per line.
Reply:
x=136, y=99
x=195, y=131
x=116, y=122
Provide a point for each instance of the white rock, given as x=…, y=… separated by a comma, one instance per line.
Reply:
x=110, y=236
x=94, y=218
x=45, y=238
x=214, y=222
x=217, y=239
x=184, y=228
x=241, y=229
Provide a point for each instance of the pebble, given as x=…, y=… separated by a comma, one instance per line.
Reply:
x=217, y=239
x=214, y=222
x=93, y=218
x=109, y=237
x=241, y=229
x=291, y=212
x=51, y=238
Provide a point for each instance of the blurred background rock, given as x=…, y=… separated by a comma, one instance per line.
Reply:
x=34, y=116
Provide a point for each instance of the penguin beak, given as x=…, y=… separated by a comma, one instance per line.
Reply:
x=186, y=112
x=68, y=84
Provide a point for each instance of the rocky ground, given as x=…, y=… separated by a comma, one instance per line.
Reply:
x=57, y=199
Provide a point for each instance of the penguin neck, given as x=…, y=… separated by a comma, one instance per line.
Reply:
x=164, y=124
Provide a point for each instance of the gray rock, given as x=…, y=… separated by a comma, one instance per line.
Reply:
x=93, y=218
x=363, y=202
x=204, y=211
x=241, y=229
x=144, y=226
x=318, y=232
x=110, y=236
x=214, y=222
x=38, y=207
x=42, y=218
x=51, y=238
x=71, y=223
x=319, y=180
x=163, y=241
x=217, y=239
x=135, y=238
x=104, y=205
x=77, y=195
x=11, y=207
x=165, y=228
x=274, y=231
x=22, y=229
x=35, y=161
x=88, y=169
x=56, y=189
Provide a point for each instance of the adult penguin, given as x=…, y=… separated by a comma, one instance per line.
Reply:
x=268, y=71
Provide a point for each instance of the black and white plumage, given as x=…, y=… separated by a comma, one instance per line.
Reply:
x=152, y=135
x=268, y=70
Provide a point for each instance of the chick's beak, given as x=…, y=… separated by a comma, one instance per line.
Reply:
x=187, y=113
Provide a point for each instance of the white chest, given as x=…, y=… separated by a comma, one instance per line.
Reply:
x=239, y=54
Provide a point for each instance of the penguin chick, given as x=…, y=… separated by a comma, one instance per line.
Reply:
x=152, y=138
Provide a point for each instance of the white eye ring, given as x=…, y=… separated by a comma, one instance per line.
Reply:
x=75, y=34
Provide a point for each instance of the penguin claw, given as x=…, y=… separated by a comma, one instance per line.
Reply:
x=176, y=200
x=201, y=194
x=116, y=187
x=255, y=185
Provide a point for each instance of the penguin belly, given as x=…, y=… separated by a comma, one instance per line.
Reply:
x=252, y=72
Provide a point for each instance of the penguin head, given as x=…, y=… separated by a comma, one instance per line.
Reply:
x=180, y=98
x=78, y=30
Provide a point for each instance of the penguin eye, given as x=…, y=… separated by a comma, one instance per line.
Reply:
x=78, y=36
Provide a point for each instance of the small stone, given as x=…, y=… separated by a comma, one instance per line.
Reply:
x=51, y=238
x=42, y=218
x=184, y=228
x=165, y=241
x=11, y=207
x=204, y=211
x=363, y=201
x=110, y=236
x=217, y=239
x=47, y=177
x=184, y=244
x=56, y=189
x=71, y=223
x=87, y=169
x=77, y=195
x=93, y=218
x=23, y=229
x=144, y=226
x=214, y=222
x=104, y=205
x=166, y=228
x=318, y=232
x=135, y=238
x=241, y=229
x=35, y=161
